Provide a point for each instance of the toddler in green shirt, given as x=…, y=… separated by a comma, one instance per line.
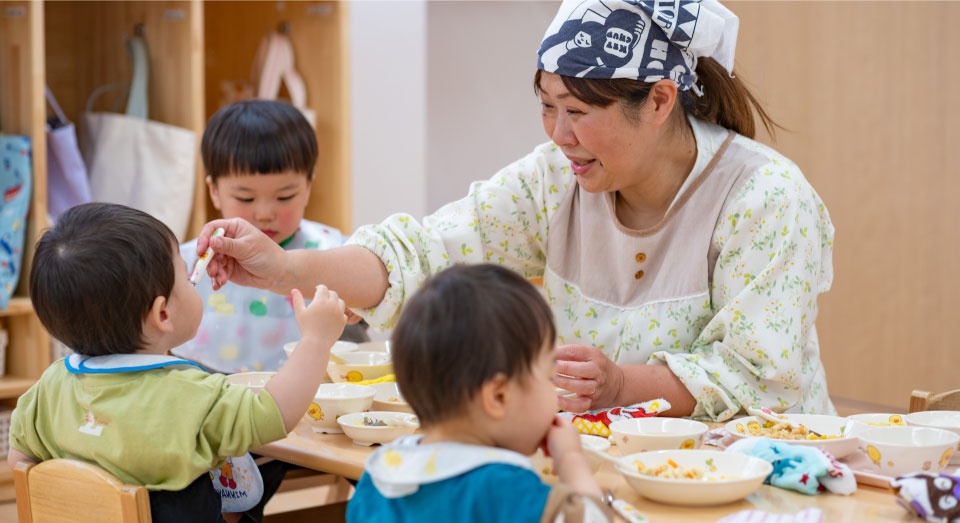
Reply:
x=109, y=282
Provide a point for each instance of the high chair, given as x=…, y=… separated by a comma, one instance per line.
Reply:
x=923, y=400
x=68, y=490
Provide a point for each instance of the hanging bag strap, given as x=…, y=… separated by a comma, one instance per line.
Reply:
x=274, y=63
x=137, y=102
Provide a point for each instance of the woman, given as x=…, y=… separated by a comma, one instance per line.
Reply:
x=682, y=259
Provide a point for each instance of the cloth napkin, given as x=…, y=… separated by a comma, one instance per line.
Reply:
x=933, y=497
x=805, y=469
x=597, y=422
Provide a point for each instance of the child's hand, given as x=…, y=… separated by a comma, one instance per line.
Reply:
x=562, y=438
x=323, y=319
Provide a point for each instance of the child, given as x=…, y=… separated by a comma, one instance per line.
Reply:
x=108, y=281
x=259, y=157
x=473, y=353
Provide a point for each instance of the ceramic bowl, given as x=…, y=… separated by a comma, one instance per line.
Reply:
x=880, y=420
x=727, y=476
x=544, y=465
x=839, y=447
x=333, y=400
x=254, y=381
x=895, y=451
x=388, y=398
x=643, y=434
x=938, y=419
x=360, y=366
x=363, y=429
x=340, y=347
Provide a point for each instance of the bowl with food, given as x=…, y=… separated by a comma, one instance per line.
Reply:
x=834, y=434
x=359, y=366
x=643, y=434
x=693, y=477
x=368, y=428
x=333, y=400
x=388, y=398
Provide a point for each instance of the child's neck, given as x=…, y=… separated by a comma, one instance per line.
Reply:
x=462, y=429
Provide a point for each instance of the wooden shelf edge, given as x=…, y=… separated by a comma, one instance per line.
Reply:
x=17, y=305
x=12, y=387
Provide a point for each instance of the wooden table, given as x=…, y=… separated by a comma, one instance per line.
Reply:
x=336, y=454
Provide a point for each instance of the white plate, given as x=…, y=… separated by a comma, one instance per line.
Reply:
x=827, y=425
x=729, y=476
x=388, y=398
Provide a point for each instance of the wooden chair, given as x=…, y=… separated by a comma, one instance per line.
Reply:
x=923, y=400
x=68, y=490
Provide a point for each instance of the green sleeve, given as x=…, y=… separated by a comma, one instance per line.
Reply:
x=23, y=426
x=239, y=420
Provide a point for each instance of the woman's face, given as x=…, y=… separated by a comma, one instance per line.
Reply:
x=607, y=151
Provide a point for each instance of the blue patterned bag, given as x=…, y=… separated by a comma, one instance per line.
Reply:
x=15, y=182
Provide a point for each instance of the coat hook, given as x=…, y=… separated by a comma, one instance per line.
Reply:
x=284, y=28
x=139, y=29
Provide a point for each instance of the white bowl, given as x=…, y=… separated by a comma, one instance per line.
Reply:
x=397, y=424
x=826, y=425
x=880, y=420
x=254, y=381
x=895, y=451
x=643, y=434
x=375, y=346
x=333, y=400
x=388, y=398
x=728, y=476
x=544, y=465
x=360, y=366
x=938, y=419
x=340, y=347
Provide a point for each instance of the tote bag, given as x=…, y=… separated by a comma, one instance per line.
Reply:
x=16, y=179
x=137, y=162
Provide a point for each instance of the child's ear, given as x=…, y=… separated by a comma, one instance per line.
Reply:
x=214, y=192
x=493, y=397
x=158, y=318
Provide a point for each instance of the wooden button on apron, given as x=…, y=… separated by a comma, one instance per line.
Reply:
x=638, y=275
x=641, y=257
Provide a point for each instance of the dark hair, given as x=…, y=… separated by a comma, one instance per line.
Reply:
x=97, y=272
x=258, y=137
x=726, y=101
x=463, y=327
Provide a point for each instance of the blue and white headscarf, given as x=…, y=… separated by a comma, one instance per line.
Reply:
x=645, y=40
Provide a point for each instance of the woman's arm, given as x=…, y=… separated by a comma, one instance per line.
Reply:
x=246, y=256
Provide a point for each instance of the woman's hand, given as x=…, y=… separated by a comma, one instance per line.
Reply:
x=595, y=379
x=243, y=255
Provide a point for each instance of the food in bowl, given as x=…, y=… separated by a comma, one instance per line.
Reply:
x=714, y=477
x=895, y=451
x=783, y=430
x=880, y=420
x=359, y=366
x=368, y=428
x=643, y=434
x=388, y=398
x=334, y=400
x=844, y=431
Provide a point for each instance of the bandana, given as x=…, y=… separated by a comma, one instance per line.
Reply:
x=645, y=40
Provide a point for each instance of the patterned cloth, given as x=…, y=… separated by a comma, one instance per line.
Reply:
x=643, y=40
x=933, y=497
x=805, y=469
x=15, y=181
x=745, y=336
x=597, y=422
